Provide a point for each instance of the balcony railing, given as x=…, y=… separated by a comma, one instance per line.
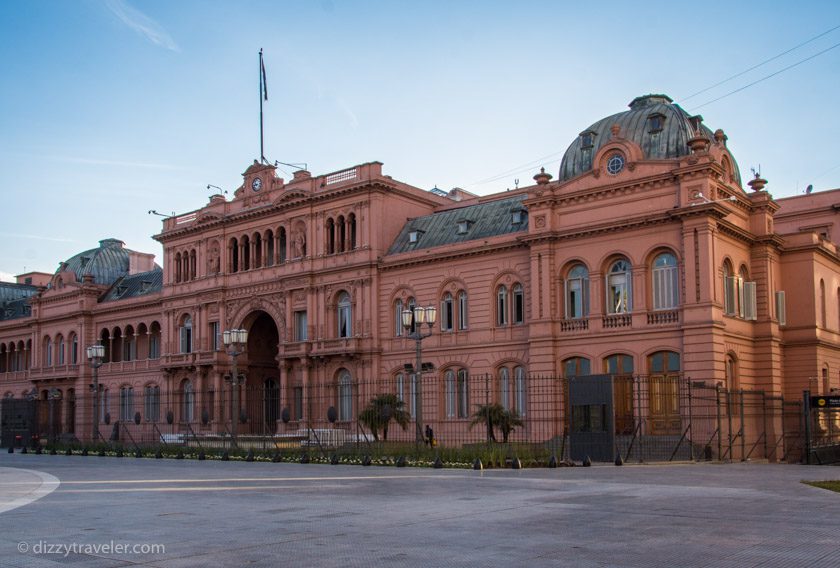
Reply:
x=613, y=321
x=578, y=324
x=662, y=317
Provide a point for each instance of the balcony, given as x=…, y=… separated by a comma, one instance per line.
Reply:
x=336, y=346
x=614, y=321
x=663, y=317
x=296, y=349
x=571, y=325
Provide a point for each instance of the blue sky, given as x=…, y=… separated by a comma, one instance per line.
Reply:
x=109, y=108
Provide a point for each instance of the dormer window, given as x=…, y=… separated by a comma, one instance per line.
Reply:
x=414, y=237
x=587, y=139
x=121, y=290
x=656, y=122
x=145, y=285
x=463, y=227
x=518, y=216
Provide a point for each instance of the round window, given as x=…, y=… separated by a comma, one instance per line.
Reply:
x=615, y=164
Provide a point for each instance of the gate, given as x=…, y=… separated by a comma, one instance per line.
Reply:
x=592, y=418
x=18, y=417
x=822, y=428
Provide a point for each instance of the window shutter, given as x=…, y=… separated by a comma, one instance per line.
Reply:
x=741, y=299
x=749, y=305
x=729, y=294
x=780, y=307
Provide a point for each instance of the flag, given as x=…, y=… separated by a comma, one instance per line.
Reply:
x=263, y=83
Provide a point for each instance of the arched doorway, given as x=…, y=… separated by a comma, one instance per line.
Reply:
x=261, y=393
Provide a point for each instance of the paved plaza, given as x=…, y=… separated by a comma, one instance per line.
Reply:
x=110, y=512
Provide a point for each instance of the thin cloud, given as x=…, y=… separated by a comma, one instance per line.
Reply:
x=37, y=237
x=99, y=162
x=142, y=24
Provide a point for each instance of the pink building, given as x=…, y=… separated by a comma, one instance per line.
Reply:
x=647, y=255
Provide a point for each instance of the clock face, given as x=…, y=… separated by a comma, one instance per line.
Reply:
x=256, y=185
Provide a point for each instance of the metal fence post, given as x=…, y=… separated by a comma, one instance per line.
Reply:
x=719, y=423
x=690, y=416
x=641, y=418
x=806, y=416
x=764, y=421
x=742, y=430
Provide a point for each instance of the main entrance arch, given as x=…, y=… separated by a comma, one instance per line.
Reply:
x=261, y=400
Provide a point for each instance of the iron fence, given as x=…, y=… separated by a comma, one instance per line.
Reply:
x=656, y=418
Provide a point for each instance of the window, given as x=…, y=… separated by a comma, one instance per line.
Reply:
x=456, y=387
x=519, y=390
x=74, y=349
x=730, y=285
x=300, y=326
x=587, y=139
x=154, y=341
x=351, y=226
x=103, y=404
x=126, y=404
x=400, y=380
x=655, y=122
x=576, y=367
x=739, y=294
x=345, y=397
x=414, y=237
x=501, y=305
x=185, y=332
x=518, y=216
x=665, y=282
x=398, y=309
x=518, y=304
x=214, y=336
x=577, y=292
x=618, y=287
x=330, y=236
x=462, y=310
x=129, y=345
x=463, y=227
x=447, y=314
x=61, y=359
x=151, y=403
x=188, y=409
x=781, y=314
x=615, y=164
x=297, y=398
x=504, y=387
x=344, y=315
x=822, y=304
x=410, y=306
x=49, y=355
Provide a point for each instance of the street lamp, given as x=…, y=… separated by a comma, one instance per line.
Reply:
x=95, y=354
x=235, y=341
x=417, y=317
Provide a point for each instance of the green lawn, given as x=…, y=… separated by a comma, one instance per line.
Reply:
x=830, y=485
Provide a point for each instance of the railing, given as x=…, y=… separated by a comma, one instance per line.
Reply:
x=186, y=218
x=663, y=317
x=581, y=324
x=617, y=320
x=343, y=175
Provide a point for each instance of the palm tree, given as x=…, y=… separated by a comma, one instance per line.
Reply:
x=493, y=416
x=380, y=411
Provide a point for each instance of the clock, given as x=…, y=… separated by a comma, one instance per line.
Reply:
x=256, y=185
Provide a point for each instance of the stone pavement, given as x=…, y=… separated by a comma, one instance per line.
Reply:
x=264, y=514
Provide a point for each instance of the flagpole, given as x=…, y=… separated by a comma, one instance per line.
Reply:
x=262, y=153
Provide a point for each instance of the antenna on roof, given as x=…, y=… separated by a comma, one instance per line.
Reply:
x=153, y=212
x=209, y=185
x=298, y=165
x=516, y=183
x=809, y=189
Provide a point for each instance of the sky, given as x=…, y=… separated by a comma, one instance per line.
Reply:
x=112, y=108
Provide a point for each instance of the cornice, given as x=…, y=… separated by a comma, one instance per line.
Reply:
x=388, y=263
x=610, y=227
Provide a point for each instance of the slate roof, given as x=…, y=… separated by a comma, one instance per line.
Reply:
x=135, y=285
x=484, y=220
x=670, y=142
x=107, y=263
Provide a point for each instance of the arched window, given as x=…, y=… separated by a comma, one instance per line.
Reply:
x=456, y=391
x=447, y=313
x=577, y=292
x=185, y=334
x=74, y=349
x=732, y=382
x=246, y=252
x=519, y=392
x=126, y=404
x=822, y=303
x=340, y=234
x=188, y=408
x=269, y=248
x=154, y=341
x=151, y=403
x=178, y=267
x=345, y=328
x=619, y=293
x=462, y=310
x=345, y=396
x=60, y=350
x=576, y=367
x=518, y=304
x=730, y=286
x=129, y=346
x=665, y=282
x=258, y=250
x=501, y=305
x=330, y=236
x=351, y=227
x=48, y=352
x=504, y=387
x=193, y=264
x=234, y=255
x=281, y=244
x=398, y=309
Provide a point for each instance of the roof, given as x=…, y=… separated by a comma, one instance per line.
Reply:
x=483, y=220
x=135, y=285
x=106, y=263
x=671, y=141
x=14, y=300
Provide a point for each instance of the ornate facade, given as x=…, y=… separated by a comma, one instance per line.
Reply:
x=646, y=256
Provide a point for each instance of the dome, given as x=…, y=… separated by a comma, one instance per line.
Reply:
x=661, y=128
x=106, y=263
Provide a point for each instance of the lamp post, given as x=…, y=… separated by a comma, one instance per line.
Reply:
x=417, y=317
x=235, y=341
x=95, y=354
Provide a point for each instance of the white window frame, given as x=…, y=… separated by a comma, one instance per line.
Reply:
x=577, y=292
x=185, y=333
x=518, y=304
x=665, y=280
x=519, y=390
x=781, y=313
x=345, y=396
x=501, y=305
x=301, y=326
x=463, y=321
x=345, y=316
x=504, y=387
x=620, y=287
x=447, y=313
